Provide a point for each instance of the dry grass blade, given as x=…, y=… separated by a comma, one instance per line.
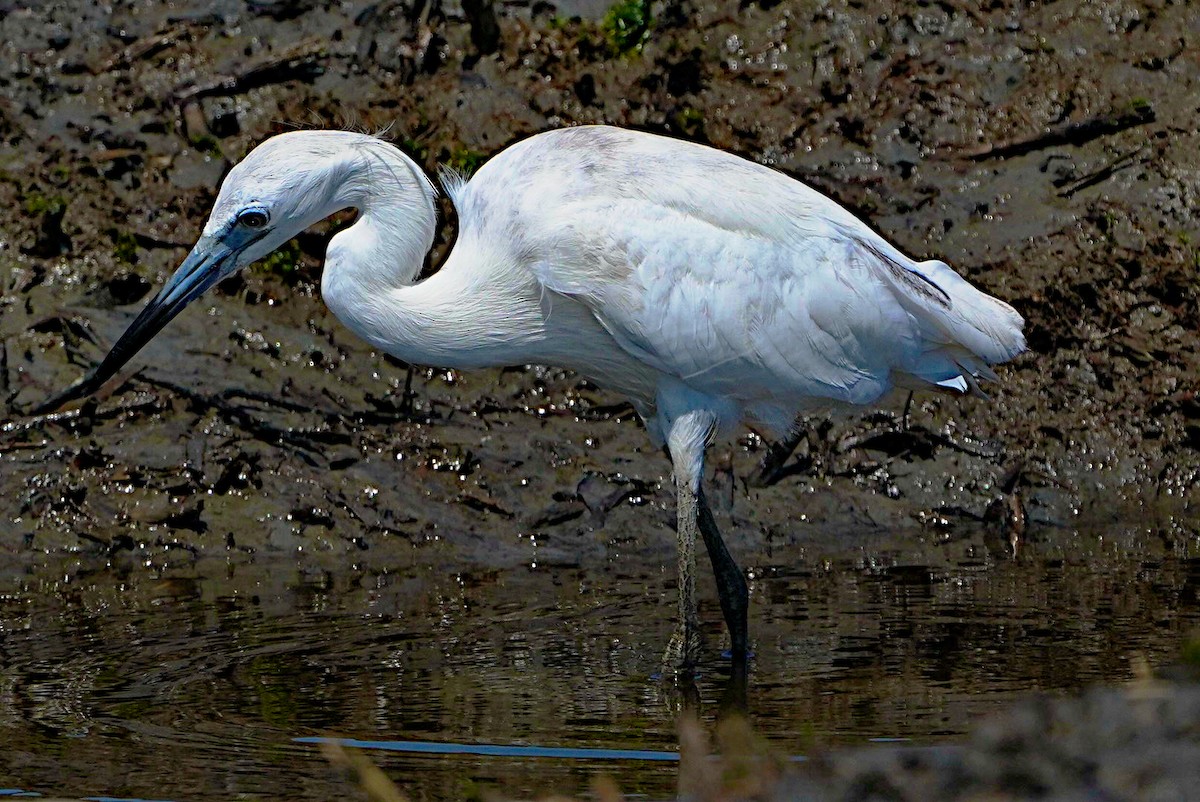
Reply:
x=605, y=789
x=363, y=772
x=698, y=776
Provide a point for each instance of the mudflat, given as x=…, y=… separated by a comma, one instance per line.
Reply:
x=921, y=563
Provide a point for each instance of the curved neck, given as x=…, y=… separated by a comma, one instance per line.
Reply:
x=478, y=310
x=387, y=244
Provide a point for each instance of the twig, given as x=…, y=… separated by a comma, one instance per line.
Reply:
x=271, y=435
x=143, y=48
x=150, y=242
x=282, y=403
x=982, y=450
x=280, y=10
x=1103, y=174
x=8, y=447
x=302, y=63
x=919, y=436
x=771, y=468
x=112, y=154
x=1069, y=133
x=378, y=526
x=34, y=421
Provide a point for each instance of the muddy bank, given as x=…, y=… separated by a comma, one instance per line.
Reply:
x=892, y=114
x=1049, y=154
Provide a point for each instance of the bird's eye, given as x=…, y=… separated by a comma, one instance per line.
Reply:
x=253, y=218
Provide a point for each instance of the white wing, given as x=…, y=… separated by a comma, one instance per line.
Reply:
x=734, y=314
x=734, y=278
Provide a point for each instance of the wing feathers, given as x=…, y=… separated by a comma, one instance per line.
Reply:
x=738, y=280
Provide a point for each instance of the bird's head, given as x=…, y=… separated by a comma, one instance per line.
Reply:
x=282, y=187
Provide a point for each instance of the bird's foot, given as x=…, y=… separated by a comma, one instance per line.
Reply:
x=683, y=652
x=773, y=465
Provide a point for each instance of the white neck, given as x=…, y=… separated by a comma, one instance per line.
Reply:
x=387, y=244
x=471, y=313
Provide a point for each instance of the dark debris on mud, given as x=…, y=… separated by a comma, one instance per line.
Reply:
x=1048, y=153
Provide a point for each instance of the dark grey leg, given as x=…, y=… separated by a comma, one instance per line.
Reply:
x=734, y=697
x=731, y=584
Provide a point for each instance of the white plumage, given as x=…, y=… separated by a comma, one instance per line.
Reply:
x=708, y=289
x=700, y=269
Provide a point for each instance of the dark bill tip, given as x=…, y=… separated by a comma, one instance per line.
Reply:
x=80, y=389
x=202, y=269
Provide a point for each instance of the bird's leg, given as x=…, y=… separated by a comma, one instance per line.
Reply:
x=687, y=438
x=770, y=467
x=904, y=415
x=731, y=584
x=407, y=406
x=684, y=647
x=734, y=697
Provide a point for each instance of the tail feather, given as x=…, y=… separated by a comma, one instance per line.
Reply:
x=952, y=312
x=965, y=330
x=985, y=326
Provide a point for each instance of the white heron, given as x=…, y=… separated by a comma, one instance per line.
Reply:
x=709, y=290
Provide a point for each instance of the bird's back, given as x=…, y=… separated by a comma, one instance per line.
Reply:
x=727, y=275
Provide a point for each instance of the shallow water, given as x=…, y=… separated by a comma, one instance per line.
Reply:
x=196, y=680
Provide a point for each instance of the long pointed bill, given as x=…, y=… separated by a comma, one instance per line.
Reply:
x=207, y=264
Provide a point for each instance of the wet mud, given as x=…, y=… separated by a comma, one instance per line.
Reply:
x=1057, y=175
x=1048, y=153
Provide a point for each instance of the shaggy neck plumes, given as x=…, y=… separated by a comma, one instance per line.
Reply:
x=387, y=244
x=370, y=269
